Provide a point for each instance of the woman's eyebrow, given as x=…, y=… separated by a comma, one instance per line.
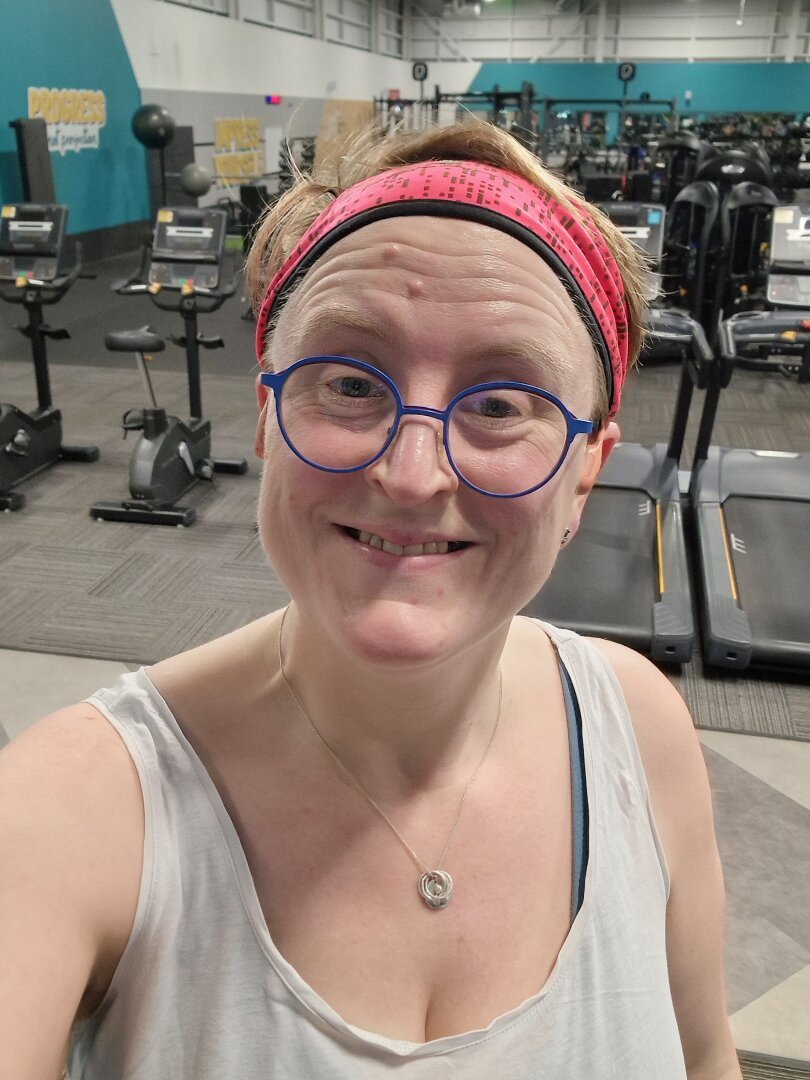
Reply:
x=332, y=317
x=534, y=357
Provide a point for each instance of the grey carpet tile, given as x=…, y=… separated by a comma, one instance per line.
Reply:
x=8, y=544
x=101, y=628
x=229, y=502
x=197, y=625
x=58, y=568
x=212, y=541
x=798, y=701
x=252, y=551
x=755, y=408
x=728, y=702
x=239, y=585
x=760, y=1067
x=62, y=489
x=22, y=607
x=143, y=578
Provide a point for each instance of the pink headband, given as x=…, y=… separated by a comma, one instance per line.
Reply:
x=575, y=250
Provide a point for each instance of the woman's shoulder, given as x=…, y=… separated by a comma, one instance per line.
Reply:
x=76, y=743
x=668, y=744
x=657, y=710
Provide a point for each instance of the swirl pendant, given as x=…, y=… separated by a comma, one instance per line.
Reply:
x=436, y=888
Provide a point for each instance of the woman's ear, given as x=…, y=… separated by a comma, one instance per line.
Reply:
x=597, y=451
x=262, y=394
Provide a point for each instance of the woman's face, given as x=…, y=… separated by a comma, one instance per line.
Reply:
x=438, y=305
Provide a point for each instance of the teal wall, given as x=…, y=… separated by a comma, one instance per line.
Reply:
x=74, y=45
x=715, y=87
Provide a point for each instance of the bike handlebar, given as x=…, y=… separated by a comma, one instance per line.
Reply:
x=47, y=292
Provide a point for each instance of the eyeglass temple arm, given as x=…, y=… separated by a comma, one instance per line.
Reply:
x=273, y=379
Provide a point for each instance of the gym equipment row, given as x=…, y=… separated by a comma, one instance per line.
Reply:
x=534, y=121
x=748, y=510
x=180, y=272
x=654, y=168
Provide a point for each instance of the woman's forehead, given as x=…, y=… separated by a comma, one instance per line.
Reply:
x=438, y=262
x=399, y=241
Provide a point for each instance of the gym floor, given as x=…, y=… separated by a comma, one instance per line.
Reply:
x=760, y=781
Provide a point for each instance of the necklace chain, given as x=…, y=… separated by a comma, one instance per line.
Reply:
x=437, y=873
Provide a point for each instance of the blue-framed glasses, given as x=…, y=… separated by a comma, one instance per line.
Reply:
x=503, y=439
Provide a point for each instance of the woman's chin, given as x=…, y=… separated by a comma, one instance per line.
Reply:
x=398, y=635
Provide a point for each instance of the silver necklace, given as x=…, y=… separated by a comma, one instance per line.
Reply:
x=435, y=886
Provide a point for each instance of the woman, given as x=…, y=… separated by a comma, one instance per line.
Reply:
x=394, y=828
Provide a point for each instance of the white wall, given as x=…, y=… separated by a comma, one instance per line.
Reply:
x=522, y=30
x=178, y=48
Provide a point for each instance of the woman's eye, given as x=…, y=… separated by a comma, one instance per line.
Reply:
x=353, y=386
x=496, y=408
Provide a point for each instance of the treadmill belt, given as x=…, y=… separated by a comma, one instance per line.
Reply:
x=771, y=555
x=604, y=582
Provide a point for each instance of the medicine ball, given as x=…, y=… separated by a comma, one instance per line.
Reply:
x=194, y=179
x=153, y=126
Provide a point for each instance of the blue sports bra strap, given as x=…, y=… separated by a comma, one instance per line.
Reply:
x=579, y=794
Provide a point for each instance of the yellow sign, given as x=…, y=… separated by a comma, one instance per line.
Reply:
x=238, y=149
x=245, y=165
x=241, y=134
x=74, y=117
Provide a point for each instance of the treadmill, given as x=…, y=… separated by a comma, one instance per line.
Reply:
x=752, y=507
x=625, y=575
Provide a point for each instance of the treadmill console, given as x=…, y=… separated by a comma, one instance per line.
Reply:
x=789, y=261
x=641, y=223
x=187, y=247
x=32, y=241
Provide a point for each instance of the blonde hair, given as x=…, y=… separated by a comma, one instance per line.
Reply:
x=287, y=220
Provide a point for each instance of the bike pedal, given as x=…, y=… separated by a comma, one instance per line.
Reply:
x=132, y=420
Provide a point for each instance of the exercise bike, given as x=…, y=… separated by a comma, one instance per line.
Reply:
x=181, y=273
x=32, y=274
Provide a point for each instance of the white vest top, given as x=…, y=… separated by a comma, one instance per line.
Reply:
x=202, y=993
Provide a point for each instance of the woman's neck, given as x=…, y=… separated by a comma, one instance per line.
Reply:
x=396, y=731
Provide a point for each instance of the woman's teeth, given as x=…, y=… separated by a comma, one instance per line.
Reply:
x=437, y=547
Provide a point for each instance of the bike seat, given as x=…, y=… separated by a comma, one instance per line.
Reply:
x=144, y=340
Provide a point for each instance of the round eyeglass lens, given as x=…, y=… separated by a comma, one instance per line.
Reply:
x=506, y=441
x=336, y=415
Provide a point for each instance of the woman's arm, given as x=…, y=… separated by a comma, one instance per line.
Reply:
x=71, y=848
x=682, y=807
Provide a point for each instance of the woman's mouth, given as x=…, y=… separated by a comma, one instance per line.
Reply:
x=432, y=547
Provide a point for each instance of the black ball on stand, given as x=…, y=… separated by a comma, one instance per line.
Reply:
x=195, y=180
x=153, y=126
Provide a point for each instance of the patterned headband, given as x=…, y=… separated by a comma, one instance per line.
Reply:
x=574, y=248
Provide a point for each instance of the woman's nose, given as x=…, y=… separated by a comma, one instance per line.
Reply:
x=414, y=468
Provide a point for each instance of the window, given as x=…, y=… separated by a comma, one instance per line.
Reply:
x=297, y=16
x=348, y=22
